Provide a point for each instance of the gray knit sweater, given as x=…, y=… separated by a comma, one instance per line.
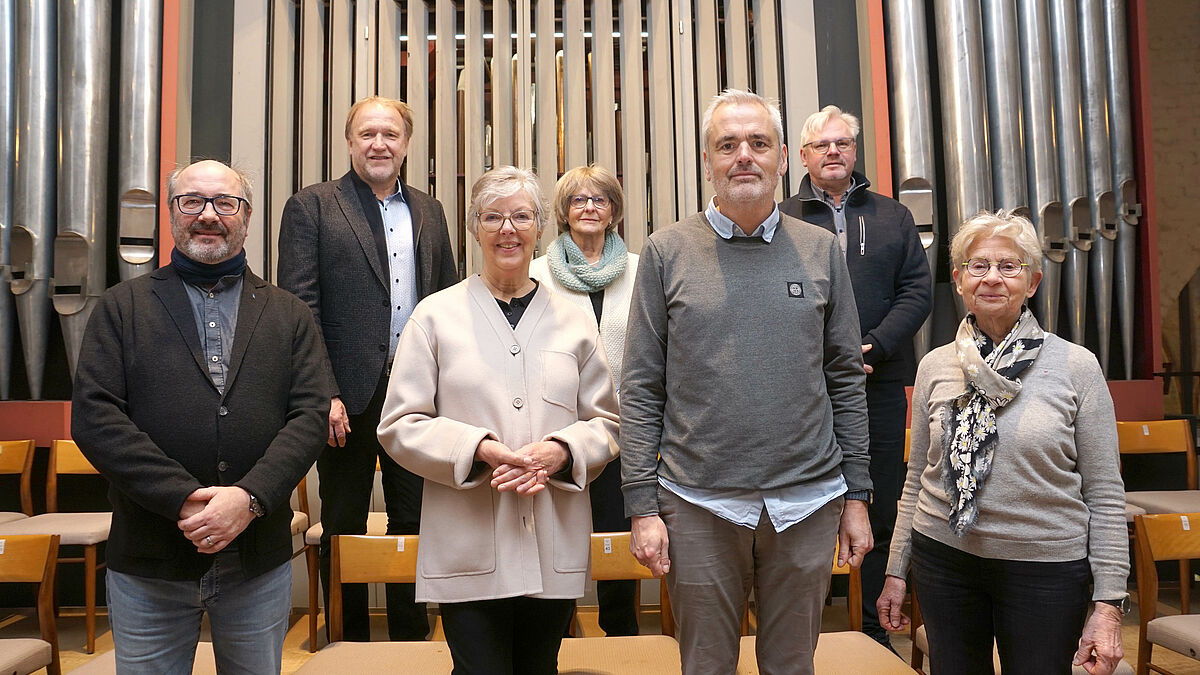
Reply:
x=743, y=366
x=1055, y=492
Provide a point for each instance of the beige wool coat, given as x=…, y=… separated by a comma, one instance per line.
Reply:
x=462, y=374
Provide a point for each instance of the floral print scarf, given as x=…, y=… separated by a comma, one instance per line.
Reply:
x=990, y=371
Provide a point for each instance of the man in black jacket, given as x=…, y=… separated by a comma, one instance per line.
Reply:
x=361, y=251
x=201, y=394
x=894, y=294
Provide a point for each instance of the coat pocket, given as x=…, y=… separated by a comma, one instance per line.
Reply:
x=458, y=532
x=560, y=379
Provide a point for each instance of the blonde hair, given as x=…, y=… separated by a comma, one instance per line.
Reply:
x=399, y=106
x=817, y=121
x=573, y=181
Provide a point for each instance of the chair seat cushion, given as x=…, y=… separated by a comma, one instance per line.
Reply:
x=843, y=652
x=376, y=525
x=7, y=516
x=24, y=655
x=921, y=642
x=1179, y=633
x=649, y=654
x=106, y=663
x=1165, y=501
x=380, y=658
x=74, y=529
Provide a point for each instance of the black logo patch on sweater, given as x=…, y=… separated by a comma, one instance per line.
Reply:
x=795, y=289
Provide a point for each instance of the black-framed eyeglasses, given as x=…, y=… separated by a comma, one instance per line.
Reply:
x=1008, y=267
x=580, y=201
x=223, y=205
x=492, y=221
x=822, y=147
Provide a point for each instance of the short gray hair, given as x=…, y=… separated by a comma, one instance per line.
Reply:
x=817, y=121
x=741, y=97
x=502, y=182
x=1003, y=223
x=243, y=178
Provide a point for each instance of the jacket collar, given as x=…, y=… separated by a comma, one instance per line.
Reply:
x=856, y=196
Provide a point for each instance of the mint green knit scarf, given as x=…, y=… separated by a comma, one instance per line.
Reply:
x=572, y=270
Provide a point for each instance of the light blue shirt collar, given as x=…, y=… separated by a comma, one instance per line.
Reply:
x=727, y=229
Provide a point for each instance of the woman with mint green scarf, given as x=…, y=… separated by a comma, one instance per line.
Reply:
x=589, y=265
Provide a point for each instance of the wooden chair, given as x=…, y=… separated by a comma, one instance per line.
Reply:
x=16, y=458
x=31, y=559
x=1159, y=437
x=611, y=560
x=373, y=559
x=376, y=525
x=87, y=530
x=1174, y=536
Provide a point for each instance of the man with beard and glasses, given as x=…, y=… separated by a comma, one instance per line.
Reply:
x=202, y=394
x=743, y=418
x=893, y=292
x=361, y=251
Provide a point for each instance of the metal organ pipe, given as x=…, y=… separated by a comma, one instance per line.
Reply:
x=1073, y=181
x=8, y=312
x=35, y=179
x=1037, y=78
x=137, y=171
x=913, y=130
x=1099, y=168
x=1005, y=143
x=1120, y=119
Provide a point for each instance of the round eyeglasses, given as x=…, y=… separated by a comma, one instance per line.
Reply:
x=1009, y=267
x=223, y=205
x=492, y=221
x=822, y=147
x=580, y=201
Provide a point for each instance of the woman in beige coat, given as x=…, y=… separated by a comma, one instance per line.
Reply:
x=500, y=397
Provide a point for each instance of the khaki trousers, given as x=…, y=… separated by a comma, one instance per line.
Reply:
x=714, y=566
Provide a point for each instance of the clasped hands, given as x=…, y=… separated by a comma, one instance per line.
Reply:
x=526, y=470
x=214, y=516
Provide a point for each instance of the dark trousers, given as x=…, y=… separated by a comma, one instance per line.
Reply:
x=1034, y=610
x=886, y=408
x=618, y=599
x=347, y=475
x=509, y=636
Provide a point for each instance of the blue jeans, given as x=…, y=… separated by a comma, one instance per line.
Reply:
x=156, y=623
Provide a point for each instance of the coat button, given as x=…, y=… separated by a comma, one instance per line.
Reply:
x=222, y=465
x=515, y=349
x=518, y=402
x=222, y=411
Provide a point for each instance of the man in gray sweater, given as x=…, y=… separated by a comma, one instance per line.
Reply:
x=743, y=413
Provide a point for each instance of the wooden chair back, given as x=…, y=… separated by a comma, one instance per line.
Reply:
x=359, y=559
x=1159, y=536
x=1151, y=437
x=32, y=558
x=16, y=458
x=65, y=459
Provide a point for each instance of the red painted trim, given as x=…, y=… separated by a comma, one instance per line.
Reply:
x=879, y=96
x=1143, y=141
x=169, y=95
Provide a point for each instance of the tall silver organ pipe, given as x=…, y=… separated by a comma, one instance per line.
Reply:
x=964, y=112
x=1073, y=182
x=1099, y=168
x=79, y=255
x=1037, y=78
x=1005, y=143
x=1120, y=118
x=137, y=144
x=8, y=122
x=912, y=119
x=35, y=179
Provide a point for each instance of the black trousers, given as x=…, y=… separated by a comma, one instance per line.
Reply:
x=509, y=636
x=1034, y=610
x=347, y=475
x=618, y=606
x=886, y=408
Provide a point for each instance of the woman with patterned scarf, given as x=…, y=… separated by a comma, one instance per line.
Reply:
x=1013, y=512
x=589, y=265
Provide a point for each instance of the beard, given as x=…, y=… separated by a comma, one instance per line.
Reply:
x=210, y=253
x=739, y=191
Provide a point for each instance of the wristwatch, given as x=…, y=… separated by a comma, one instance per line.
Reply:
x=256, y=508
x=1122, y=604
x=860, y=495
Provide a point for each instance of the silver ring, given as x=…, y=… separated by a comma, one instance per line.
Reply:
x=209, y=540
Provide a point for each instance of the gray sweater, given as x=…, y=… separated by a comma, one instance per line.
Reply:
x=1055, y=492
x=743, y=366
